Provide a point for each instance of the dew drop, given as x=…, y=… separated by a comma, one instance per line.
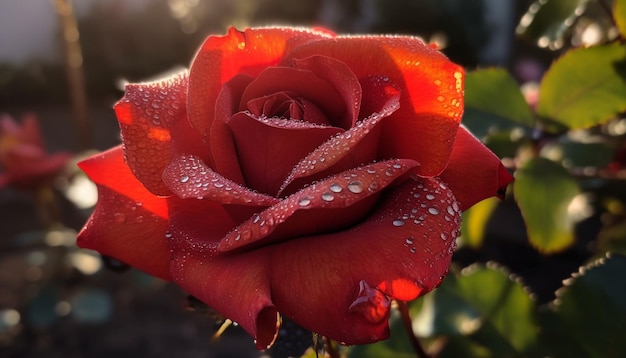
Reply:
x=168, y=235
x=373, y=186
x=410, y=240
x=119, y=217
x=398, y=222
x=304, y=201
x=444, y=236
x=355, y=186
x=328, y=196
x=430, y=196
x=336, y=188
x=433, y=211
x=413, y=250
x=184, y=179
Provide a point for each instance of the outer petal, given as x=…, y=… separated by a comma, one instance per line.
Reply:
x=151, y=116
x=431, y=105
x=401, y=251
x=235, y=286
x=474, y=172
x=239, y=52
x=129, y=223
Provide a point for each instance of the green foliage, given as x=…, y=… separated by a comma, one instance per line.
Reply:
x=475, y=221
x=585, y=87
x=546, y=21
x=482, y=310
x=589, y=316
x=494, y=103
x=544, y=190
x=619, y=14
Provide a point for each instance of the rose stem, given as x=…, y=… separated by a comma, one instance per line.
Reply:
x=408, y=326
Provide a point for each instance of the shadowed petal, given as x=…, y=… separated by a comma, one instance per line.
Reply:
x=129, y=222
x=474, y=172
x=401, y=251
x=269, y=148
x=235, y=286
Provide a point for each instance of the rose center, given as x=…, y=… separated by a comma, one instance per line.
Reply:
x=287, y=105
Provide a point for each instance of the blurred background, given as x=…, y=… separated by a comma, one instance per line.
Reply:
x=65, y=63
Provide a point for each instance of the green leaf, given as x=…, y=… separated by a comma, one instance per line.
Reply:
x=585, y=87
x=619, y=14
x=546, y=21
x=579, y=155
x=475, y=220
x=482, y=305
x=494, y=103
x=543, y=190
x=591, y=310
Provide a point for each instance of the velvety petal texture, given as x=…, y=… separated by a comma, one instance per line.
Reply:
x=295, y=172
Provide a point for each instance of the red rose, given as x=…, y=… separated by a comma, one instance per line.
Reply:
x=294, y=172
x=23, y=158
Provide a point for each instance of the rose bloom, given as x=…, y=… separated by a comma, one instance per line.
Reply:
x=295, y=173
x=24, y=161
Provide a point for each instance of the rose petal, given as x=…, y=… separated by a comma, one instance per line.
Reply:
x=432, y=92
x=268, y=149
x=355, y=147
x=239, y=52
x=221, y=141
x=474, y=172
x=189, y=177
x=330, y=205
x=339, y=284
x=343, y=79
x=305, y=84
x=148, y=114
x=129, y=223
x=237, y=286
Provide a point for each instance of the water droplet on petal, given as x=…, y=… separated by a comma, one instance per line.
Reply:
x=371, y=303
x=336, y=188
x=398, y=222
x=184, y=179
x=119, y=217
x=328, y=196
x=410, y=240
x=304, y=201
x=444, y=236
x=355, y=186
x=430, y=196
x=433, y=211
